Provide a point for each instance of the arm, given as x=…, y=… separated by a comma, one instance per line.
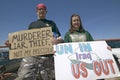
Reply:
x=89, y=37
x=56, y=35
x=67, y=38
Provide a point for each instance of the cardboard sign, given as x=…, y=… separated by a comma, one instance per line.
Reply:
x=84, y=61
x=30, y=43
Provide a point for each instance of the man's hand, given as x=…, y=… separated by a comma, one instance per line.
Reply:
x=7, y=43
x=57, y=40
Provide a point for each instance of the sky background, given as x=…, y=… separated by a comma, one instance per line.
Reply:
x=100, y=17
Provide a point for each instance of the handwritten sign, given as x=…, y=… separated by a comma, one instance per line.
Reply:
x=84, y=61
x=30, y=43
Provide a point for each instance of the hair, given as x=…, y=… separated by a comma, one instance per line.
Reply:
x=72, y=29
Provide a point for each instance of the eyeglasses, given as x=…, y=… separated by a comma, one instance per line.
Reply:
x=41, y=9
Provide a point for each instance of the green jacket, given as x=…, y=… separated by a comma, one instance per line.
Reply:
x=78, y=36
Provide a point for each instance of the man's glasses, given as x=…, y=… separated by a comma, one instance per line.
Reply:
x=41, y=9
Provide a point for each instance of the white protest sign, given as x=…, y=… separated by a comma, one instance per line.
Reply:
x=84, y=61
x=30, y=43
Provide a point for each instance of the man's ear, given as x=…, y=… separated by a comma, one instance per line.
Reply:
x=37, y=12
x=37, y=15
x=46, y=11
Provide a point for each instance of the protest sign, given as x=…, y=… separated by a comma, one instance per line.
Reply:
x=30, y=43
x=84, y=61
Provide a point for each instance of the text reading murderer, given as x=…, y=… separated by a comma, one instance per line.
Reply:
x=34, y=39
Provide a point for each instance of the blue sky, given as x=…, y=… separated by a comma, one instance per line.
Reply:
x=100, y=17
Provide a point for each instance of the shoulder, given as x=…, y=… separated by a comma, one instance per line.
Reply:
x=87, y=32
x=67, y=33
x=51, y=21
x=33, y=22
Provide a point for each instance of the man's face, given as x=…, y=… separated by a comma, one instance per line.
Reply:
x=41, y=13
